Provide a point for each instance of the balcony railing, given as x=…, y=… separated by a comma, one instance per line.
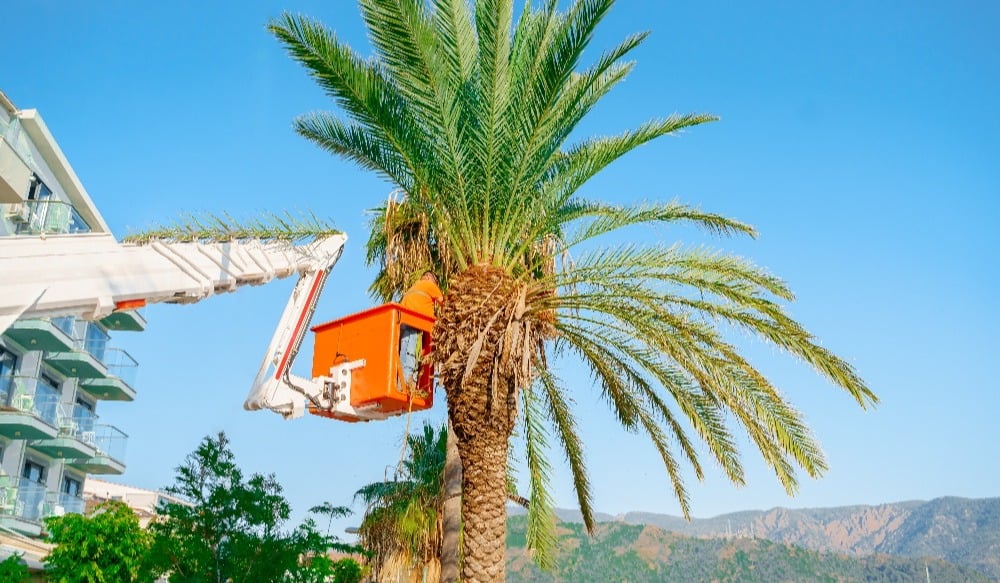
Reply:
x=91, y=338
x=27, y=500
x=65, y=323
x=8, y=495
x=94, y=361
x=109, y=441
x=121, y=364
x=28, y=395
x=45, y=217
x=75, y=421
x=18, y=140
x=85, y=419
x=67, y=504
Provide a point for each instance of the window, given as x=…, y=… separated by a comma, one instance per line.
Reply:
x=48, y=382
x=72, y=486
x=83, y=414
x=8, y=362
x=34, y=472
x=38, y=190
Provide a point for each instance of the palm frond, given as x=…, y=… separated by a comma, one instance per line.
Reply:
x=542, y=540
x=224, y=227
x=356, y=143
x=361, y=88
x=569, y=171
x=561, y=417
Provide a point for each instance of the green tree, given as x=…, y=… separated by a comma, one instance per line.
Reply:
x=230, y=528
x=403, y=528
x=470, y=112
x=402, y=525
x=13, y=569
x=106, y=546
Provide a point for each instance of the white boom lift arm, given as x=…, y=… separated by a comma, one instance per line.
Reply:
x=91, y=275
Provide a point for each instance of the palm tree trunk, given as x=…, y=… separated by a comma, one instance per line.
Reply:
x=452, y=528
x=482, y=409
x=484, y=507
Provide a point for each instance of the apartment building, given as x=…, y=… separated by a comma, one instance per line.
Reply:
x=54, y=372
x=144, y=502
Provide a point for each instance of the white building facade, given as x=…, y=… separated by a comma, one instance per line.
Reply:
x=54, y=372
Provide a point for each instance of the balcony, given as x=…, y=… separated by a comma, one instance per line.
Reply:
x=23, y=505
x=85, y=359
x=67, y=504
x=45, y=217
x=125, y=321
x=116, y=384
x=51, y=334
x=75, y=438
x=27, y=408
x=109, y=444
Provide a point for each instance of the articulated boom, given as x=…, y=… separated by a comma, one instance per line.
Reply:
x=277, y=389
x=91, y=275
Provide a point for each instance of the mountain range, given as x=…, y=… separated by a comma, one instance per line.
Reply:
x=962, y=531
x=625, y=553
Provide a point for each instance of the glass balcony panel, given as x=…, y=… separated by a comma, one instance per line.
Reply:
x=84, y=418
x=121, y=365
x=48, y=216
x=8, y=495
x=117, y=382
x=72, y=440
x=30, y=501
x=69, y=503
x=91, y=338
x=77, y=224
x=28, y=408
x=18, y=140
x=26, y=394
x=110, y=442
x=86, y=361
x=66, y=324
x=46, y=404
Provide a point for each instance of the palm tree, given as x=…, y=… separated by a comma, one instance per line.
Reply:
x=402, y=527
x=468, y=112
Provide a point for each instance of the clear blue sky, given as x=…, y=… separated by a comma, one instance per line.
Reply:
x=861, y=138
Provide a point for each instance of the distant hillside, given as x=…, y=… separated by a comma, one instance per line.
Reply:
x=960, y=530
x=639, y=554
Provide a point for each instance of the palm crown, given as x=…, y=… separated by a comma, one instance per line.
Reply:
x=469, y=112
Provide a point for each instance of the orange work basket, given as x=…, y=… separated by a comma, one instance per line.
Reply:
x=373, y=335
